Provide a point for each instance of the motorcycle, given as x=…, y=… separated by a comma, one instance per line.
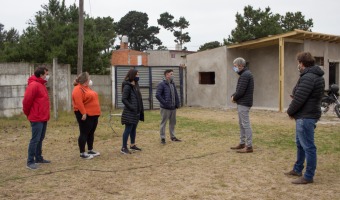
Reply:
x=331, y=97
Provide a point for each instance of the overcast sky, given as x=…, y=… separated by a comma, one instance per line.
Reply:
x=210, y=20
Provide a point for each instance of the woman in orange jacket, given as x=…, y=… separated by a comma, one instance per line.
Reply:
x=87, y=111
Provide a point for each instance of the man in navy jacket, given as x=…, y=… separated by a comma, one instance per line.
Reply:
x=168, y=98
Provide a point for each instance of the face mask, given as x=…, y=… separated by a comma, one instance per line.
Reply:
x=172, y=78
x=47, y=77
x=136, y=79
x=90, y=83
x=299, y=68
x=235, y=69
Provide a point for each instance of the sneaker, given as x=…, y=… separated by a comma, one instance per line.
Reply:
x=43, y=161
x=125, y=151
x=135, y=148
x=93, y=153
x=163, y=141
x=32, y=166
x=86, y=156
x=174, y=139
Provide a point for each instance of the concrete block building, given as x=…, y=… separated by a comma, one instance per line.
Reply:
x=272, y=60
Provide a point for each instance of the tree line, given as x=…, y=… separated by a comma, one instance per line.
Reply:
x=54, y=30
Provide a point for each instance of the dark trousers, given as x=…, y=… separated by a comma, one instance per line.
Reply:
x=130, y=130
x=86, y=128
x=35, y=145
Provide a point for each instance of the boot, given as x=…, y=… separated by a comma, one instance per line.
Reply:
x=240, y=146
x=245, y=150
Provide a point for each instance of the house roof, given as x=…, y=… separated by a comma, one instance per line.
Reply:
x=297, y=36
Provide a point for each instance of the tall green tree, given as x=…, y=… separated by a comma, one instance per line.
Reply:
x=2, y=35
x=8, y=43
x=292, y=21
x=209, y=45
x=176, y=26
x=135, y=25
x=259, y=23
x=54, y=34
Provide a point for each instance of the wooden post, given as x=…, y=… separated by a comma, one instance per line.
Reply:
x=80, y=37
x=281, y=73
x=55, y=96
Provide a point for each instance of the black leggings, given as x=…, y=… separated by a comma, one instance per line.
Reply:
x=86, y=128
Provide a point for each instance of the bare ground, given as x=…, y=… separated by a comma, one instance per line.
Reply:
x=202, y=166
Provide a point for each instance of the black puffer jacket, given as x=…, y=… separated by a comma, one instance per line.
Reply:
x=244, y=89
x=133, y=104
x=307, y=94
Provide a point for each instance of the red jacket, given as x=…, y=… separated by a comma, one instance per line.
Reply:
x=36, y=103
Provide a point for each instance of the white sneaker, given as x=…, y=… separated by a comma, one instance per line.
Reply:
x=93, y=153
x=86, y=156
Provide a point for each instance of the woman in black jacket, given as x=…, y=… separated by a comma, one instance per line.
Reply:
x=133, y=109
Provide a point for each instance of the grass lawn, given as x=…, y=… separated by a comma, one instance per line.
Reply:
x=202, y=166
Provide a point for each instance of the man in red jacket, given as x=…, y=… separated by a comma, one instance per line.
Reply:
x=36, y=106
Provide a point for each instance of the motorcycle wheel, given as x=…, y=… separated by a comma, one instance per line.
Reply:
x=337, y=110
x=324, y=107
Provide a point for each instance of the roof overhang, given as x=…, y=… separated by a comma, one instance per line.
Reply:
x=296, y=36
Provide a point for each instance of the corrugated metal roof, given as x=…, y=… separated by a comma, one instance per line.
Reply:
x=297, y=36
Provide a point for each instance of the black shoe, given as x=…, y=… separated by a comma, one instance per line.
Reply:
x=125, y=151
x=135, y=148
x=43, y=161
x=163, y=141
x=174, y=139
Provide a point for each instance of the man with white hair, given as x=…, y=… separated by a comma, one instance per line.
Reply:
x=243, y=97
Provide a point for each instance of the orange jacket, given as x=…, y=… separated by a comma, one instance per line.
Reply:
x=85, y=100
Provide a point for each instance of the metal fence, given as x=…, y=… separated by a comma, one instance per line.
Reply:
x=149, y=78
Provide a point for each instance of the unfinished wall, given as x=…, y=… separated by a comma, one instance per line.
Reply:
x=167, y=58
x=13, y=83
x=330, y=52
x=213, y=60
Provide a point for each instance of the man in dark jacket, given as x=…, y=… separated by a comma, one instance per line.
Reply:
x=305, y=108
x=36, y=106
x=169, y=102
x=244, y=99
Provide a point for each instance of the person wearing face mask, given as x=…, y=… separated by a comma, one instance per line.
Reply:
x=243, y=97
x=133, y=111
x=305, y=108
x=168, y=99
x=36, y=106
x=87, y=111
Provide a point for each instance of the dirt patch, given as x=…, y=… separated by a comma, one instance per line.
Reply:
x=202, y=166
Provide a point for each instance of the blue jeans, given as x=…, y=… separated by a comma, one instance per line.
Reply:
x=35, y=145
x=130, y=130
x=306, y=148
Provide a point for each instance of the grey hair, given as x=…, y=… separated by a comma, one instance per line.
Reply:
x=240, y=61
